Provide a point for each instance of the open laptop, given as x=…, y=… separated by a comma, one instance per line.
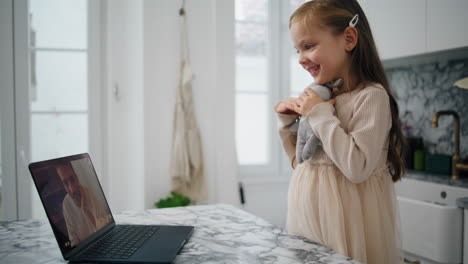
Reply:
x=83, y=223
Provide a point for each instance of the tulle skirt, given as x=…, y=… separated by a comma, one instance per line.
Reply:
x=357, y=220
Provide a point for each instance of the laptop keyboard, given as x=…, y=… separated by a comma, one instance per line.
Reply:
x=120, y=243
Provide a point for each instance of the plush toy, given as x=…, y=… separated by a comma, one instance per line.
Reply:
x=307, y=142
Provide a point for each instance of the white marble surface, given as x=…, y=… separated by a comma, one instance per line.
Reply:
x=223, y=234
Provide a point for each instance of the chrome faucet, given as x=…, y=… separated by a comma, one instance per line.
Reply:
x=456, y=164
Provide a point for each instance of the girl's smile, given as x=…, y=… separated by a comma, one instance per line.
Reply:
x=313, y=70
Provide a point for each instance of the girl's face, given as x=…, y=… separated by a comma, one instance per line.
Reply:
x=321, y=53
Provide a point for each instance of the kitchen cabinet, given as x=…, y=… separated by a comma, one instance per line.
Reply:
x=404, y=28
x=447, y=23
x=398, y=26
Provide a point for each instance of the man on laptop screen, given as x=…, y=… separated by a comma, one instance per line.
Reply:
x=83, y=214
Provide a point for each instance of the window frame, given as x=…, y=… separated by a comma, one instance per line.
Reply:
x=278, y=50
x=96, y=87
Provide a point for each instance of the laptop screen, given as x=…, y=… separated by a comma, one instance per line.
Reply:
x=72, y=197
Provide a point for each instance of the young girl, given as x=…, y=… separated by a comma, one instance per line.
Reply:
x=344, y=197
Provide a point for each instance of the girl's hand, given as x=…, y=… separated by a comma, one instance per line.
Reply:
x=287, y=106
x=307, y=100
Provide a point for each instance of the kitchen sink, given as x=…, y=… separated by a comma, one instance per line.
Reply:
x=431, y=222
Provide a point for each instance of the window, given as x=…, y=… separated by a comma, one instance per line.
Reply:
x=266, y=72
x=59, y=90
x=252, y=82
x=59, y=81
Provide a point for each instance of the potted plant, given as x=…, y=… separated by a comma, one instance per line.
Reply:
x=175, y=200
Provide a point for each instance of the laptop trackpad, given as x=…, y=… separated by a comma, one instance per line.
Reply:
x=164, y=245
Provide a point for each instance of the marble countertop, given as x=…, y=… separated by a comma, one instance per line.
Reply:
x=223, y=234
x=436, y=178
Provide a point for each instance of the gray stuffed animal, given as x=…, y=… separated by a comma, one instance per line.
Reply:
x=307, y=142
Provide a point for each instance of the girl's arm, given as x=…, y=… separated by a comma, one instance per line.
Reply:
x=355, y=152
x=288, y=137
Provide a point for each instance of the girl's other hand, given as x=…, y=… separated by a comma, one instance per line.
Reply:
x=287, y=106
x=307, y=100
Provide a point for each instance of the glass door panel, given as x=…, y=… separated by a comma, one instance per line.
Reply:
x=252, y=82
x=59, y=23
x=59, y=81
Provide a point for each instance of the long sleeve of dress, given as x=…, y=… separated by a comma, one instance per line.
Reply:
x=355, y=151
x=288, y=137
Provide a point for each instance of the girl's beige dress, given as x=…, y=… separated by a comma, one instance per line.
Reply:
x=344, y=197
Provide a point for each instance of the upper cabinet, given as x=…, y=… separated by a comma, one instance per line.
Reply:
x=398, y=26
x=447, y=24
x=404, y=28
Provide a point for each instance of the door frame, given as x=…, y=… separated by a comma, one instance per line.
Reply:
x=7, y=114
x=14, y=95
x=22, y=108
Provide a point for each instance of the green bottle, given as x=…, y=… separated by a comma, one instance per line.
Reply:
x=419, y=159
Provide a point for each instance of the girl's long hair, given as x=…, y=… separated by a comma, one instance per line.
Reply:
x=365, y=62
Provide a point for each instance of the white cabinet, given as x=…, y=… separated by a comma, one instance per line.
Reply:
x=431, y=222
x=398, y=26
x=447, y=24
x=404, y=28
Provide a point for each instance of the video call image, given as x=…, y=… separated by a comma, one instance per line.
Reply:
x=73, y=200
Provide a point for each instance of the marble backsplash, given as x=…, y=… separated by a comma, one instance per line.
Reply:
x=423, y=85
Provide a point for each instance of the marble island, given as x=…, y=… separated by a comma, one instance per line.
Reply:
x=223, y=234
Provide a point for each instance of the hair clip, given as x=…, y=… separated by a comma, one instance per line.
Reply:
x=354, y=20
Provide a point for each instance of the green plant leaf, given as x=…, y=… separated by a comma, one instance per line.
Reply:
x=175, y=200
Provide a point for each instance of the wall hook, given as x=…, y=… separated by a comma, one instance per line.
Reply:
x=182, y=8
x=116, y=91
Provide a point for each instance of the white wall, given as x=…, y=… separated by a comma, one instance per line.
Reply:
x=143, y=57
x=125, y=142
x=267, y=198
